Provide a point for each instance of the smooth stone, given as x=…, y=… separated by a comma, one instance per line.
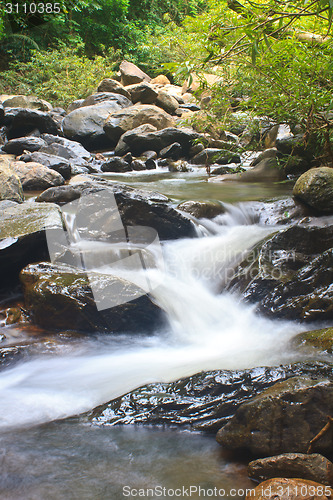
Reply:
x=36, y=177
x=315, y=188
x=10, y=184
x=110, y=85
x=199, y=209
x=130, y=73
x=21, y=144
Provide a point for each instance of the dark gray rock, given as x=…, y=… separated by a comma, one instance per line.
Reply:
x=116, y=164
x=57, y=163
x=85, y=124
x=155, y=141
x=136, y=207
x=21, y=122
x=23, y=240
x=282, y=419
x=204, y=401
x=60, y=297
x=174, y=151
x=17, y=146
x=77, y=149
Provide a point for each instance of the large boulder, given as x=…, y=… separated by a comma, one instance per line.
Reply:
x=138, y=141
x=315, y=188
x=18, y=146
x=85, y=124
x=65, y=152
x=282, y=419
x=167, y=102
x=143, y=93
x=60, y=297
x=77, y=149
x=21, y=122
x=205, y=401
x=313, y=466
x=57, y=163
x=290, y=489
x=127, y=119
x=288, y=275
x=23, y=238
x=130, y=73
x=10, y=184
x=36, y=177
x=136, y=207
x=25, y=101
x=110, y=85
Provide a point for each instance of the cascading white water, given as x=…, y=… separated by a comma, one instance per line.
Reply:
x=206, y=330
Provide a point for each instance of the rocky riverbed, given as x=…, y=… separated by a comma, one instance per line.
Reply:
x=264, y=273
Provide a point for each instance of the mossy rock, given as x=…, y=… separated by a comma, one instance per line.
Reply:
x=319, y=339
x=315, y=188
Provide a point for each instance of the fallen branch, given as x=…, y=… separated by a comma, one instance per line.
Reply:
x=320, y=434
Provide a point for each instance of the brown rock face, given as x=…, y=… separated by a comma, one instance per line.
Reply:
x=282, y=419
x=130, y=74
x=296, y=465
x=290, y=489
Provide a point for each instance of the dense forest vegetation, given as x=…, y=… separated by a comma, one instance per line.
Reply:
x=274, y=57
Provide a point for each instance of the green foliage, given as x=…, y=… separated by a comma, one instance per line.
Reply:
x=59, y=75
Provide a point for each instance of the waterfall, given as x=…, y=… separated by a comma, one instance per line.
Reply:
x=205, y=330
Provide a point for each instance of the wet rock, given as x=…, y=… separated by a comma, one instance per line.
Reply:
x=2, y=114
x=22, y=122
x=77, y=149
x=65, y=152
x=199, y=209
x=18, y=146
x=167, y=102
x=122, y=148
x=315, y=188
x=290, y=489
x=110, y=85
x=23, y=239
x=204, y=401
x=130, y=118
x=282, y=419
x=136, y=207
x=57, y=163
x=60, y=297
x=151, y=164
x=25, y=101
x=314, y=467
x=293, y=263
x=85, y=124
x=138, y=165
x=139, y=142
x=174, y=151
x=130, y=74
x=36, y=177
x=321, y=340
x=307, y=297
x=143, y=93
x=214, y=155
x=116, y=164
x=60, y=195
x=10, y=185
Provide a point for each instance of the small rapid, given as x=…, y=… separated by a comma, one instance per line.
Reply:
x=204, y=330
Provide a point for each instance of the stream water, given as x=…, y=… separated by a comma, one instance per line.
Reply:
x=204, y=330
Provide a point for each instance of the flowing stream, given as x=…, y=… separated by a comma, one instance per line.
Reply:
x=204, y=330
